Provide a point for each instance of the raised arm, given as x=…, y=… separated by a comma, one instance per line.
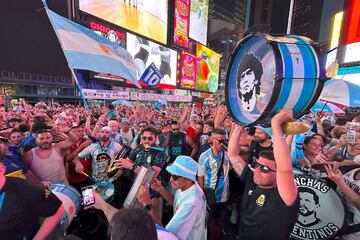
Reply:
x=284, y=173
x=234, y=150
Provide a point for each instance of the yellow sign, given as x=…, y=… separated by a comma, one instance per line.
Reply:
x=336, y=30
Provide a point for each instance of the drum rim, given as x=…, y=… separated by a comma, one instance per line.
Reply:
x=342, y=204
x=276, y=83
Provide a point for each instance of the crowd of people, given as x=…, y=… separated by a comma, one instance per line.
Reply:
x=214, y=179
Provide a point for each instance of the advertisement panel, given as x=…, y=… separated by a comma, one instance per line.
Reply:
x=188, y=71
x=199, y=10
x=181, y=23
x=105, y=94
x=336, y=30
x=114, y=35
x=207, y=69
x=352, y=51
x=331, y=65
x=353, y=23
x=145, y=52
x=146, y=17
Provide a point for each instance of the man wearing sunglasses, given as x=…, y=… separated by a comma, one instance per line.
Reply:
x=270, y=194
x=176, y=143
x=145, y=156
x=188, y=221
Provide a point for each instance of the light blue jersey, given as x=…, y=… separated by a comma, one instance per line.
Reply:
x=208, y=168
x=188, y=222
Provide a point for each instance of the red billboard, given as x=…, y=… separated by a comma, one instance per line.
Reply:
x=188, y=71
x=181, y=23
x=353, y=23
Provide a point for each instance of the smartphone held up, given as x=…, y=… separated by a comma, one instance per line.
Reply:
x=88, y=198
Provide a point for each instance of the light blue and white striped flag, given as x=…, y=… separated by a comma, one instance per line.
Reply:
x=87, y=50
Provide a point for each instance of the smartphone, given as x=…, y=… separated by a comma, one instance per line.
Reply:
x=351, y=136
x=88, y=198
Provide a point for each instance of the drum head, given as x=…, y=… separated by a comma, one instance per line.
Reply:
x=250, y=79
x=321, y=213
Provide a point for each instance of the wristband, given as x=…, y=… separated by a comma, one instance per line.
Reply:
x=279, y=137
x=134, y=166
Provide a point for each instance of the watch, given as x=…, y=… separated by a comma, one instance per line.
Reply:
x=148, y=206
x=134, y=166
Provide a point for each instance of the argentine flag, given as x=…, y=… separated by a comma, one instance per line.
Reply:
x=87, y=50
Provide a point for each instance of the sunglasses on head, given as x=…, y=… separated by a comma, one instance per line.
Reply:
x=263, y=168
x=148, y=138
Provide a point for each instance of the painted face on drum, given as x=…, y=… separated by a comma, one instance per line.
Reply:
x=247, y=82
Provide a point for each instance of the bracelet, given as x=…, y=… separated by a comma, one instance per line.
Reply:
x=279, y=137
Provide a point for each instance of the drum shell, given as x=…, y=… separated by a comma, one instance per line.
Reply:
x=283, y=84
x=71, y=200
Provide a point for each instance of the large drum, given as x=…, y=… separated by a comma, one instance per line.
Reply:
x=71, y=200
x=322, y=212
x=268, y=73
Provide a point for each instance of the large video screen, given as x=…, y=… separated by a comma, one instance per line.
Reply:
x=199, y=11
x=181, y=23
x=145, y=52
x=146, y=17
x=188, y=71
x=208, y=64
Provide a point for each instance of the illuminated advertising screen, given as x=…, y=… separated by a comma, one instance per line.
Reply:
x=352, y=53
x=199, y=10
x=181, y=23
x=145, y=52
x=331, y=65
x=114, y=35
x=353, y=23
x=188, y=71
x=207, y=68
x=146, y=17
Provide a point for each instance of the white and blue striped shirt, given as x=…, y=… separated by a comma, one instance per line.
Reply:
x=188, y=222
x=99, y=169
x=208, y=168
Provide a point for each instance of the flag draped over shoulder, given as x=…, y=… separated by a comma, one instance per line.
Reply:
x=87, y=50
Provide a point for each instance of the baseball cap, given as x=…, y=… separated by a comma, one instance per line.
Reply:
x=124, y=120
x=184, y=166
x=268, y=130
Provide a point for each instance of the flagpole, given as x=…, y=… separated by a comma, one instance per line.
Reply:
x=78, y=87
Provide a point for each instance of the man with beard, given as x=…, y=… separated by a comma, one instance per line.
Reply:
x=22, y=204
x=248, y=83
x=176, y=143
x=270, y=194
x=262, y=141
x=46, y=160
x=309, y=202
x=148, y=157
x=99, y=165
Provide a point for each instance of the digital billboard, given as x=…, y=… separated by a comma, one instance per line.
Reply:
x=207, y=69
x=146, y=17
x=199, y=10
x=353, y=23
x=188, y=71
x=331, y=65
x=181, y=23
x=145, y=52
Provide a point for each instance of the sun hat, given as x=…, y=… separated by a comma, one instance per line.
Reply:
x=184, y=166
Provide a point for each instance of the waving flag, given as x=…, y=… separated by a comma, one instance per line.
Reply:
x=87, y=50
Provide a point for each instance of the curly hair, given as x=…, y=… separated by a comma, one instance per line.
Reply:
x=249, y=61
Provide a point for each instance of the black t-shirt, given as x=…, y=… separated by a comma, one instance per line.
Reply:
x=255, y=149
x=263, y=214
x=23, y=204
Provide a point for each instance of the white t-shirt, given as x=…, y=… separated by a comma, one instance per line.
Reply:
x=188, y=222
x=127, y=137
x=164, y=234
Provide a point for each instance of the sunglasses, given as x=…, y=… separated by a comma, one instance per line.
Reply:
x=263, y=168
x=219, y=140
x=175, y=177
x=142, y=126
x=175, y=129
x=148, y=138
